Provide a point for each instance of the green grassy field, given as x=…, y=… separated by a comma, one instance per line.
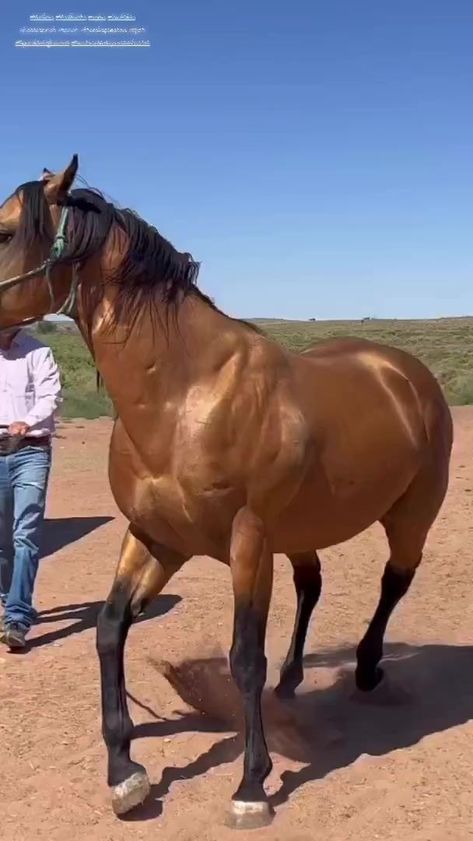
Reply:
x=445, y=345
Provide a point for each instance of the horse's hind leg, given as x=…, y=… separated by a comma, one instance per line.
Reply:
x=308, y=584
x=139, y=578
x=394, y=585
x=407, y=525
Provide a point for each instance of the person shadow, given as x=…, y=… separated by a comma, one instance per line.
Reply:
x=62, y=531
x=427, y=689
x=57, y=534
x=83, y=617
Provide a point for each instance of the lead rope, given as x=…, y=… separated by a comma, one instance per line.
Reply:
x=59, y=244
x=69, y=307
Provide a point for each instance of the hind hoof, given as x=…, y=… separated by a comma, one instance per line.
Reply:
x=367, y=681
x=285, y=693
x=291, y=677
x=130, y=793
x=244, y=815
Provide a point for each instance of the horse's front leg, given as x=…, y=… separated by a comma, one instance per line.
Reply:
x=139, y=578
x=251, y=563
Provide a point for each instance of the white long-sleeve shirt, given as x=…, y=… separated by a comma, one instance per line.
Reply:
x=30, y=386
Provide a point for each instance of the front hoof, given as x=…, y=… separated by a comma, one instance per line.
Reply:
x=244, y=815
x=130, y=793
x=366, y=681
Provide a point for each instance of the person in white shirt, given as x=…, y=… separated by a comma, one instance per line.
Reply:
x=30, y=392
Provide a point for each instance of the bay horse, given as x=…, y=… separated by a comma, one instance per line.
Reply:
x=226, y=445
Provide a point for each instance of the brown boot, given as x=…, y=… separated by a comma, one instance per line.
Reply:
x=13, y=635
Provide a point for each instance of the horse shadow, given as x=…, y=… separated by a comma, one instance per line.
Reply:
x=427, y=689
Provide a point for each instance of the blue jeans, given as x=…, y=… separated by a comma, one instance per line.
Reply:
x=23, y=485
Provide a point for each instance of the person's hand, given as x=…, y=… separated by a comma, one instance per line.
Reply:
x=18, y=428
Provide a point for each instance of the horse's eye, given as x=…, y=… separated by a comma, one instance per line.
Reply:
x=5, y=237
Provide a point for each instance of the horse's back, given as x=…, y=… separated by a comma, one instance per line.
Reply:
x=375, y=371
x=346, y=356
x=348, y=349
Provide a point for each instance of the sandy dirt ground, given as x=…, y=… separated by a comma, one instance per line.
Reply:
x=396, y=767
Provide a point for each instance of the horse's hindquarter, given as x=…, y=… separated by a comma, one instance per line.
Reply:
x=367, y=407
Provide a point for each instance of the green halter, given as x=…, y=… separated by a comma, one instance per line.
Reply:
x=45, y=269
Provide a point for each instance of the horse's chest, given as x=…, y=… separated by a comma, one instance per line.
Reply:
x=183, y=512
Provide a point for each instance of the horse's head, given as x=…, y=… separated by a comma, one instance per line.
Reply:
x=58, y=245
x=33, y=234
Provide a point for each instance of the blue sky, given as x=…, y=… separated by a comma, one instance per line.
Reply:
x=317, y=157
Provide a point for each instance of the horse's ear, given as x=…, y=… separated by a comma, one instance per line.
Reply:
x=58, y=186
x=46, y=175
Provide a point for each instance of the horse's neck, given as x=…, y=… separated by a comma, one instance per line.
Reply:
x=157, y=361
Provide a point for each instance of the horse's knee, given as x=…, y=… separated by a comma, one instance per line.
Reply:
x=248, y=663
x=397, y=578
x=108, y=631
x=113, y=622
x=248, y=670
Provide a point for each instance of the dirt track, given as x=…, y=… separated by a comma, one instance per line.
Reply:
x=398, y=767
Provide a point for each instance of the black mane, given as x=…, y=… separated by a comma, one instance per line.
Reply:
x=151, y=266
